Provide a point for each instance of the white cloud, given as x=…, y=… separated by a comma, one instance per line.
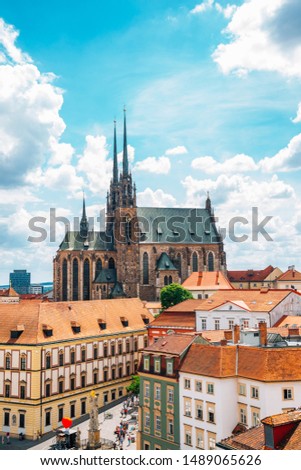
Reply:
x=202, y=7
x=179, y=150
x=228, y=11
x=30, y=124
x=157, y=198
x=238, y=164
x=95, y=165
x=287, y=159
x=131, y=154
x=297, y=119
x=62, y=178
x=264, y=35
x=160, y=165
x=62, y=153
x=8, y=36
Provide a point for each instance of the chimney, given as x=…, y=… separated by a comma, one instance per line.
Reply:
x=293, y=332
x=263, y=333
x=236, y=334
x=228, y=335
x=224, y=342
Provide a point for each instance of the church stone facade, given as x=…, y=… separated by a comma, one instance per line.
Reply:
x=141, y=250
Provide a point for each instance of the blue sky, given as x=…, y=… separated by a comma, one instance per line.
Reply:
x=212, y=91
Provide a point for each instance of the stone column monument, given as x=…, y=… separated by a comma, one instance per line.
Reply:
x=93, y=431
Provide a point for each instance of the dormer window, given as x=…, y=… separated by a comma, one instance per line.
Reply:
x=124, y=321
x=102, y=324
x=157, y=364
x=169, y=367
x=47, y=330
x=15, y=333
x=145, y=319
x=146, y=363
x=75, y=327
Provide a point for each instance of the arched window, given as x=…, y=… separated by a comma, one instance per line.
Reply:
x=145, y=269
x=86, y=283
x=75, y=280
x=111, y=263
x=195, y=263
x=166, y=280
x=65, y=280
x=128, y=231
x=210, y=262
x=179, y=264
x=98, y=267
x=170, y=280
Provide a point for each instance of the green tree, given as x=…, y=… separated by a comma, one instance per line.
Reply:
x=134, y=387
x=173, y=295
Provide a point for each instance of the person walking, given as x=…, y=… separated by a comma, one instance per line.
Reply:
x=7, y=438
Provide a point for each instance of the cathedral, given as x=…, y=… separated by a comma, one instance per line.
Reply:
x=140, y=250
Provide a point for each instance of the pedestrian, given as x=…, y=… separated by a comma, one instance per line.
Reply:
x=129, y=439
x=7, y=438
x=125, y=412
x=3, y=439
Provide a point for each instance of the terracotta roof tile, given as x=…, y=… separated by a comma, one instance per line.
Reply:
x=210, y=361
x=290, y=275
x=253, y=439
x=264, y=364
x=171, y=344
x=177, y=319
x=33, y=314
x=263, y=300
x=189, y=305
x=282, y=418
x=250, y=275
x=207, y=280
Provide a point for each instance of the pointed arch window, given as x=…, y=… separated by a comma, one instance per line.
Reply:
x=210, y=262
x=145, y=269
x=178, y=263
x=65, y=280
x=98, y=267
x=86, y=283
x=166, y=280
x=195, y=263
x=111, y=263
x=75, y=280
x=170, y=280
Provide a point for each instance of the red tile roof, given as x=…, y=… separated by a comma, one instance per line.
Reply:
x=171, y=344
x=263, y=364
x=34, y=314
x=174, y=319
x=207, y=280
x=250, y=275
x=290, y=275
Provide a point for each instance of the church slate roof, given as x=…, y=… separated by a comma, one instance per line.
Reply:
x=95, y=241
x=164, y=263
x=158, y=225
x=107, y=276
x=176, y=225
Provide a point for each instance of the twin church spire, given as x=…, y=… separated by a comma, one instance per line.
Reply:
x=125, y=160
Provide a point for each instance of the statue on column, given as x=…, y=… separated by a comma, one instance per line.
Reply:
x=93, y=430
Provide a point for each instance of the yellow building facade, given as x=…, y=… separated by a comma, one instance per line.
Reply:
x=52, y=355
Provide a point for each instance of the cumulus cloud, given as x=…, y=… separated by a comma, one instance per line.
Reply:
x=30, y=124
x=95, y=164
x=297, y=119
x=179, y=150
x=201, y=7
x=265, y=36
x=287, y=159
x=157, y=198
x=62, y=178
x=160, y=165
x=238, y=164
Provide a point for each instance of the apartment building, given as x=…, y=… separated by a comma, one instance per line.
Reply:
x=229, y=388
x=52, y=355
